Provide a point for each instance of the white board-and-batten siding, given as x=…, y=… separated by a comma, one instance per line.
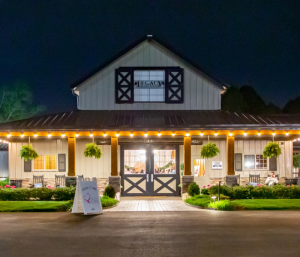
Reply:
x=256, y=147
x=98, y=92
x=42, y=147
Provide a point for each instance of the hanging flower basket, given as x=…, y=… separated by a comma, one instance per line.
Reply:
x=209, y=150
x=92, y=150
x=27, y=152
x=272, y=149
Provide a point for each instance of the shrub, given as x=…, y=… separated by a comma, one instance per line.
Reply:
x=204, y=191
x=43, y=194
x=107, y=201
x=193, y=189
x=110, y=192
x=262, y=192
x=64, y=194
x=225, y=205
x=4, y=182
x=240, y=192
x=296, y=160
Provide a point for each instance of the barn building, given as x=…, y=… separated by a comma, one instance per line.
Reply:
x=150, y=110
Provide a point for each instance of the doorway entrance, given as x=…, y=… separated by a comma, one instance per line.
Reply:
x=150, y=170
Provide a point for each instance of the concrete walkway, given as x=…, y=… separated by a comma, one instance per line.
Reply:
x=152, y=204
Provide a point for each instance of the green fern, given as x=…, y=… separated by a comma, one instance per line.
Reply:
x=27, y=152
x=92, y=150
x=272, y=149
x=209, y=150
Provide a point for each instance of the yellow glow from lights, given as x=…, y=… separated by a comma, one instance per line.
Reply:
x=35, y=135
x=287, y=133
x=259, y=134
x=145, y=135
x=273, y=134
x=173, y=134
x=117, y=135
x=131, y=135
x=245, y=134
x=216, y=134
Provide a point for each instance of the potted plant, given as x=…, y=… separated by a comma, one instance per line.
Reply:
x=272, y=149
x=27, y=152
x=92, y=150
x=209, y=150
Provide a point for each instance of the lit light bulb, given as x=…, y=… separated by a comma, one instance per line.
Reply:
x=173, y=134
x=91, y=135
x=63, y=135
x=117, y=135
x=49, y=135
x=1, y=140
x=35, y=135
x=201, y=134
x=131, y=135
x=145, y=135
x=159, y=134
x=287, y=133
x=104, y=134
x=8, y=135
x=245, y=134
x=76, y=135
x=216, y=134
x=187, y=134
x=298, y=139
x=230, y=134
x=273, y=134
x=22, y=135
x=259, y=134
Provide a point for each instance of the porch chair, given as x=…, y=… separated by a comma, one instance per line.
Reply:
x=60, y=180
x=38, y=180
x=233, y=180
x=16, y=183
x=254, y=178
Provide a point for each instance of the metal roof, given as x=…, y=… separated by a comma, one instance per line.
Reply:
x=3, y=147
x=151, y=120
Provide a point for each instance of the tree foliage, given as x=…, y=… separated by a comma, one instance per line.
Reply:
x=296, y=160
x=16, y=102
x=92, y=150
x=272, y=149
x=27, y=152
x=209, y=150
x=292, y=106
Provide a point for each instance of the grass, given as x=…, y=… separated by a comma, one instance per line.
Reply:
x=199, y=200
x=35, y=206
x=267, y=204
x=107, y=201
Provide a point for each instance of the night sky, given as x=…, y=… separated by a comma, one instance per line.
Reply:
x=51, y=44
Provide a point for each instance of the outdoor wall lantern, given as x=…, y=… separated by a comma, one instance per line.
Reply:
x=214, y=198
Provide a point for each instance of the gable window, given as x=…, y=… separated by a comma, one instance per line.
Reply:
x=45, y=162
x=149, y=86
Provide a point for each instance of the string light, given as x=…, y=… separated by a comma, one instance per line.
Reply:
x=273, y=134
x=216, y=134
x=63, y=135
x=104, y=134
x=245, y=134
x=187, y=134
x=8, y=135
x=117, y=135
x=145, y=135
x=91, y=135
x=0, y=140
x=131, y=135
x=259, y=134
x=230, y=134
x=35, y=135
x=22, y=135
x=287, y=133
x=201, y=134
x=76, y=135
x=159, y=134
x=173, y=134
x=49, y=135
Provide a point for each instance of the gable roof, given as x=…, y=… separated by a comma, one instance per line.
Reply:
x=217, y=82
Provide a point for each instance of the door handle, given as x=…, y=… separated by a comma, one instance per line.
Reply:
x=151, y=177
x=147, y=177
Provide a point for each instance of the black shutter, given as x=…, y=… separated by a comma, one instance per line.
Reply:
x=27, y=165
x=174, y=85
x=124, y=85
x=238, y=162
x=61, y=162
x=273, y=163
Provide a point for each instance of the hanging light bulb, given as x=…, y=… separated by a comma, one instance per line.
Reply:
x=49, y=135
x=104, y=134
x=245, y=134
x=35, y=135
x=187, y=134
x=145, y=135
x=9, y=135
x=131, y=135
x=91, y=135
x=63, y=135
x=201, y=134
x=117, y=135
x=173, y=134
x=159, y=134
x=22, y=135
x=76, y=135
x=287, y=133
x=230, y=134
x=216, y=134
x=273, y=134
x=259, y=134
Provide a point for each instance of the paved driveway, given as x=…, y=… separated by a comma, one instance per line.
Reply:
x=199, y=233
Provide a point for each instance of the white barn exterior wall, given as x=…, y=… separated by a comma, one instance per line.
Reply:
x=98, y=92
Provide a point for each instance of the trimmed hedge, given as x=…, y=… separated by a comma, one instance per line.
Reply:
x=39, y=194
x=258, y=192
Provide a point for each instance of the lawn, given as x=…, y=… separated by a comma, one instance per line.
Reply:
x=199, y=200
x=268, y=204
x=34, y=206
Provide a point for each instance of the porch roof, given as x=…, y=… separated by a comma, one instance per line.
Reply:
x=152, y=120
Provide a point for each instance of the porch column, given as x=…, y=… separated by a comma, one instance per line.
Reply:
x=114, y=179
x=230, y=155
x=71, y=156
x=187, y=178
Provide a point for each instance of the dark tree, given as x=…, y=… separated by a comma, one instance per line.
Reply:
x=254, y=103
x=271, y=109
x=232, y=100
x=292, y=106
